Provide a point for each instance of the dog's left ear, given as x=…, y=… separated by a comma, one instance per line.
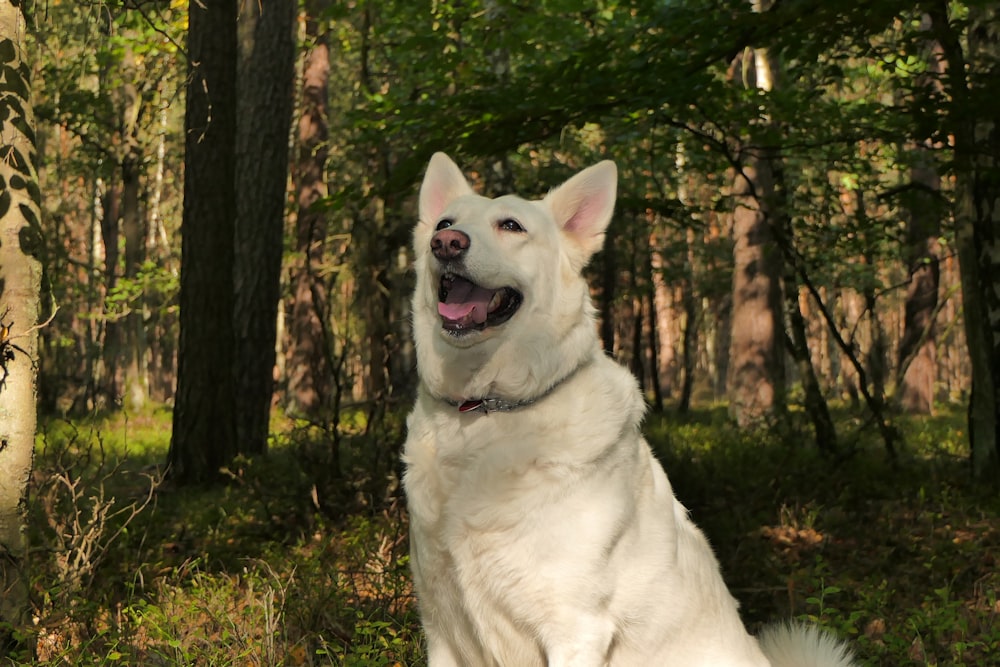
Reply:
x=583, y=205
x=443, y=183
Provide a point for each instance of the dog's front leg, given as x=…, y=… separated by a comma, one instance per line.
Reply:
x=439, y=654
x=585, y=641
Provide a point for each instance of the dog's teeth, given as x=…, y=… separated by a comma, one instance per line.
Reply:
x=495, y=301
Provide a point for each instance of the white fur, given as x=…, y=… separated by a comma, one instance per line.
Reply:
x=549, y=535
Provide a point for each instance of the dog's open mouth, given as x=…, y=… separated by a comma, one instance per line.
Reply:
x=465, y=306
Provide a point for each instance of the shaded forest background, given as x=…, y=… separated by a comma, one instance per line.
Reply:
x=801, y=272
x=818, y=144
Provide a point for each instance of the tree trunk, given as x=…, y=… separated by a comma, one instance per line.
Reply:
x=203, y=439
x=756, y=364
x=652, y=330
x=797, y=339
x=798, y=344
x=108, y=387
x=265, y=81
x=917, y=363
x=663, y=324
x=136, y=383
x=20, y=286
x=975, y=123
x=689, y=345
x=309, y=367
x=916, y=370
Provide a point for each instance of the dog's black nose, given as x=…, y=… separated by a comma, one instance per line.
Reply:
x=449, y=244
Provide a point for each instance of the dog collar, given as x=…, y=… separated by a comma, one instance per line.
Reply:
x=488, y=405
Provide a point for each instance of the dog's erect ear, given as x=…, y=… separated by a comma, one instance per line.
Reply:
x=443, y=182
x=583, y=205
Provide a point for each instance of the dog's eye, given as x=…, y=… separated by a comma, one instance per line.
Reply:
x=444, y=223
x=511, y=225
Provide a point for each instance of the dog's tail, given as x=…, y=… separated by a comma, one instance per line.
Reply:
x=798, y=645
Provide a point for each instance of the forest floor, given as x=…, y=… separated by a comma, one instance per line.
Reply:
x=301, y=558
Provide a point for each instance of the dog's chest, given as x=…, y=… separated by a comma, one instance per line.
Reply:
x=472, y=471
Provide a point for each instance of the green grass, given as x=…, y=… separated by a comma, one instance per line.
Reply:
x=301, y=558
x=900, y=556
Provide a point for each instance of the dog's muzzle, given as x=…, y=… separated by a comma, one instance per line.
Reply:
x=465, y=306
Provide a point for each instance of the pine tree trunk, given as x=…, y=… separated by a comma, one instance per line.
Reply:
x=651, y=330
x=916, y=370
x=20, y=285
x=663, y=323
x=308, y=357
x=756, y=361
x=755, y=353
x=203, y=439
x=265, y=82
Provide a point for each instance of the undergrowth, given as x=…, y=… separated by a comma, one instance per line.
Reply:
x=301, y=558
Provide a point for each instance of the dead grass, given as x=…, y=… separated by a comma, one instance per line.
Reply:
x=900, y=558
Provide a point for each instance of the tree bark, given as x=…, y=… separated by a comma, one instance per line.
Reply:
x=309, y=367
x=203, y=439
x=756, y=364
x=974, y=120
x=917, y=362
x=798, y=344
x=663, y=324
x=136, y=382
x=689, y=341
x=20, y=287
x=755, y=381
x=652, y=329
x=109, y=387
x=266, y=75
x=916, y=370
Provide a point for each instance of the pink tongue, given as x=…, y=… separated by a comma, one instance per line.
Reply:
x=464, y=299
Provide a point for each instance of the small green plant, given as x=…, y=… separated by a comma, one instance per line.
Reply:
x=899, y=560
x=843, y=623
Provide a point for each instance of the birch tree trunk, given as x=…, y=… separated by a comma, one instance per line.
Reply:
x=136, y=381
x=20, y=285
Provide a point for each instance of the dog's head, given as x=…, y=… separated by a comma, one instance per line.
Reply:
x=495, y=276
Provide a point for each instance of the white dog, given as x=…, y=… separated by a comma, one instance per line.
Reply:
x=543, y=530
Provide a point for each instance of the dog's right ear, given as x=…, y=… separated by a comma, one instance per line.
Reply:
x=583, y=206
x=443, y=183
